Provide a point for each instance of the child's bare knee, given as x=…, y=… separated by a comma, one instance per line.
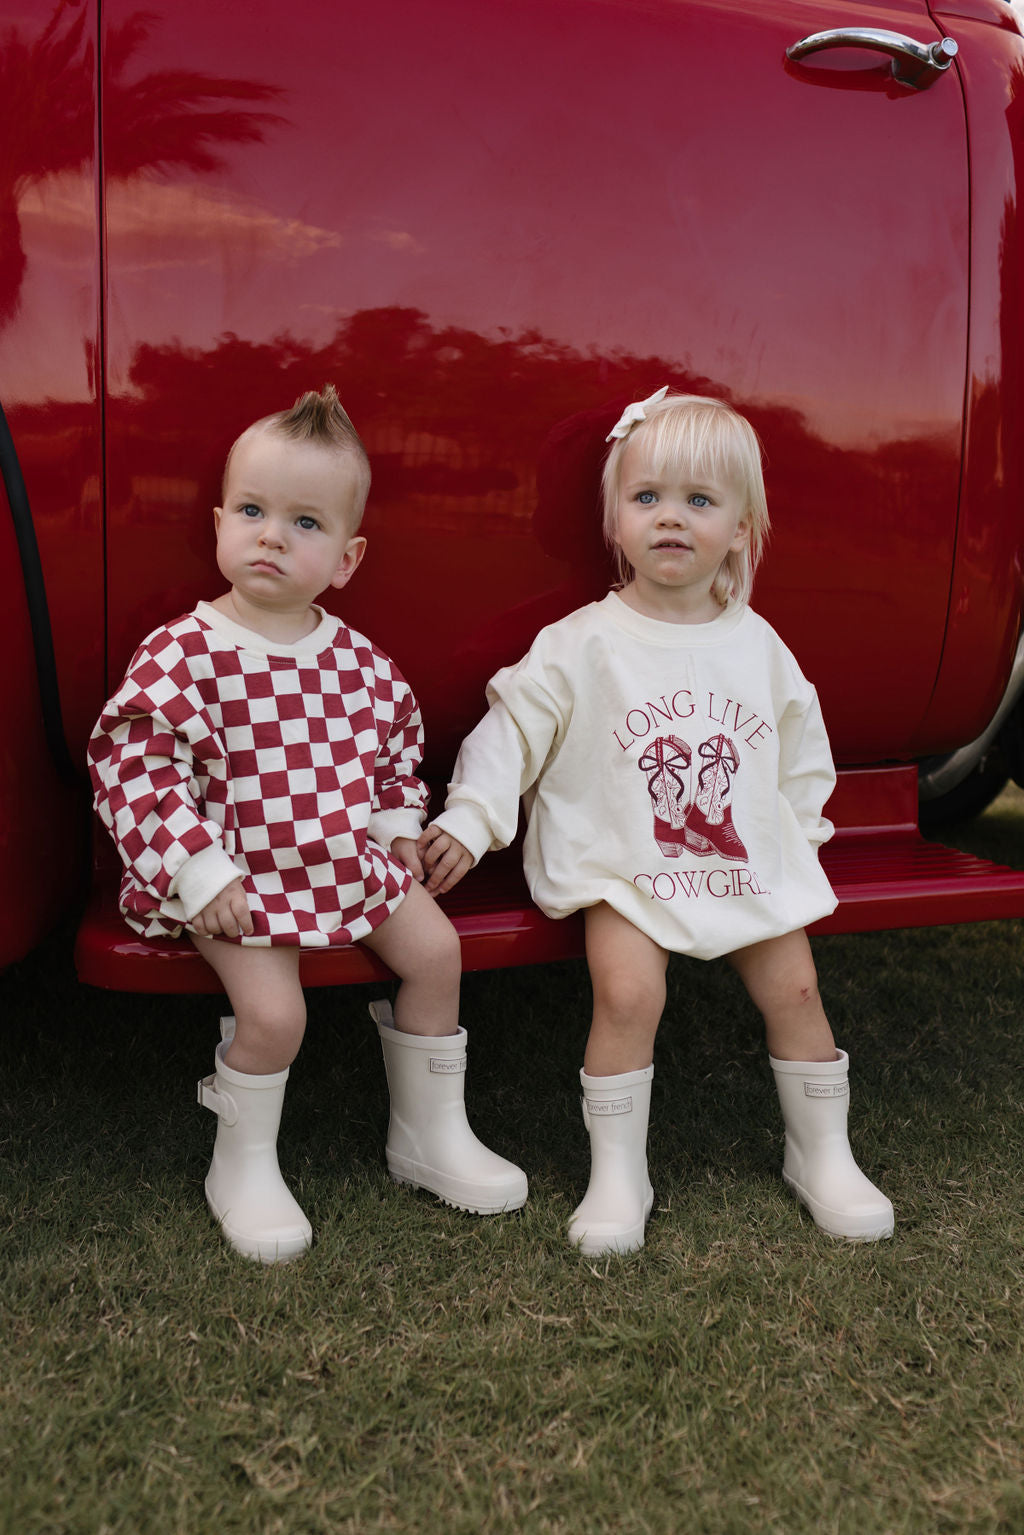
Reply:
x=797, y=994
x=272, y=1019
x=790, y=984
x=802, y=986
x=627, y=999
x=438, y=962
x=448, y=954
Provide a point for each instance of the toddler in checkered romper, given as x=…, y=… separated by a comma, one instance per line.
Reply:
x=256, y=769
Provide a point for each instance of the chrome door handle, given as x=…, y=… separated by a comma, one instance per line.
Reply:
x=914, y=64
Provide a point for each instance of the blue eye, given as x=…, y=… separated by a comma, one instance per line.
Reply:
x=307, y=523
x=249, y=509
x=699, y=501
x=646, y=498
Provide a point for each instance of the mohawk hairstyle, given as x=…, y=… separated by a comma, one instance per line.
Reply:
x=320, y=419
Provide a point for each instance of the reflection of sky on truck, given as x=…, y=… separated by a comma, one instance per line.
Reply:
x=523, y=187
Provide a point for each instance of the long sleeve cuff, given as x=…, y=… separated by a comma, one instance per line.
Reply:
x=468, y=824
x=820, y=832
x=385, y=825
x=201, y=877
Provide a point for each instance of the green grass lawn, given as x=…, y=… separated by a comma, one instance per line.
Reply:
x=425, y=1370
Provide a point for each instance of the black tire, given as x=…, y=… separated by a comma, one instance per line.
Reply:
x=970, y=797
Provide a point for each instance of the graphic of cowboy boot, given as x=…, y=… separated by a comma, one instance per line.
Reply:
x=710, y=816
x=666, y=762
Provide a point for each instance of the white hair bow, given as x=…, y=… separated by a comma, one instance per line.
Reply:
x=635, y=413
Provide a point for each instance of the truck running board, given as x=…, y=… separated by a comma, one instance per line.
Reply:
x=884, y=872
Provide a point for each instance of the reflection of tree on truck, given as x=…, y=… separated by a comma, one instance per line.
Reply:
x=167, y=120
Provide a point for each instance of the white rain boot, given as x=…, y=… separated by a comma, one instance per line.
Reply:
x=619, y=1198
x=430, y=1144
x=244, y=1188
x=818, y=1164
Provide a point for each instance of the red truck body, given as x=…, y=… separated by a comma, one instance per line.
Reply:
x=491, y=227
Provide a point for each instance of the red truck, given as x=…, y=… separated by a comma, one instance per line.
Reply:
x=491, y=227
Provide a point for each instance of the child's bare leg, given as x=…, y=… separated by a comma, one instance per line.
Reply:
x=420, y=945
x=430, y=1144
x=812, y=1078
x=266, y=998
x=627, y=972
x=780, y=977
x=244, y=1188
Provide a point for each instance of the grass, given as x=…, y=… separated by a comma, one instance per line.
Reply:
x=425, y=1370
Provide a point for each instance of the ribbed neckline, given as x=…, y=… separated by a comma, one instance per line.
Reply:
x=657, y=632
x=247, y=639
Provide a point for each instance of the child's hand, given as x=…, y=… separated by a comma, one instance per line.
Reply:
x=227, y=915
x=444, y=859
x=406, y=850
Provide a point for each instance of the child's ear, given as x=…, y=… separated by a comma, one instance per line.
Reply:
x=349, y=562
x=741, y=538
x=218, y=513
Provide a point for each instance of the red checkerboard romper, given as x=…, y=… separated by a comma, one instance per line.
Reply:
x=223, y=753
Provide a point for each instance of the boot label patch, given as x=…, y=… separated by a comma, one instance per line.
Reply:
x=609, y=1106
x=826, y=1089
x=447, y=1067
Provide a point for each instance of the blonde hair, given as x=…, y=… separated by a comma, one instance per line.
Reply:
x=320, y=419
x=706, y=439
